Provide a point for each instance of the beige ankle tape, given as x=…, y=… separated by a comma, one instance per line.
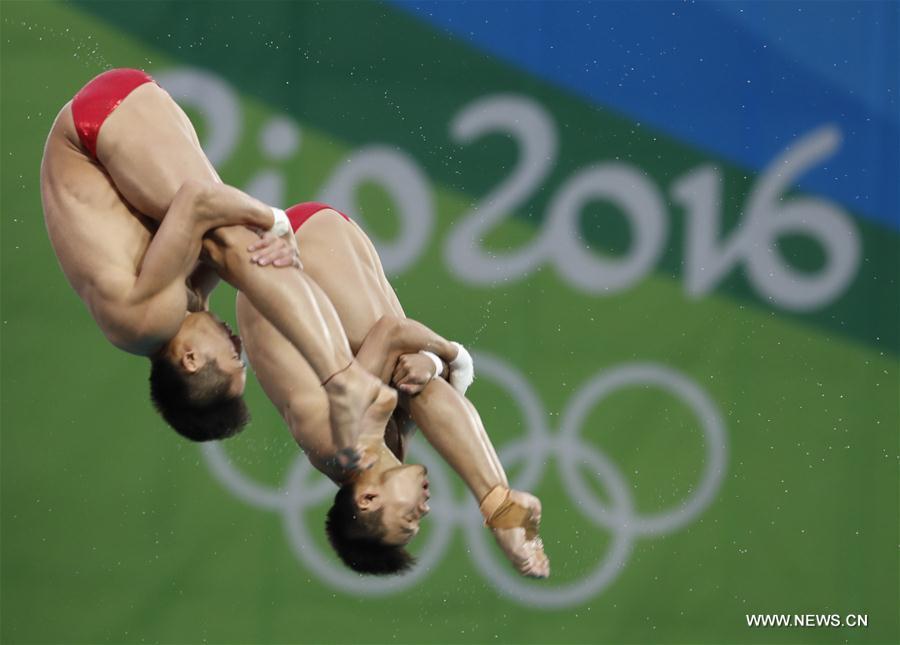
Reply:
x=492, y=501
x=500, y=512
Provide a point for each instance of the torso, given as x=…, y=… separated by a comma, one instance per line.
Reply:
x=101, y=213
x=99, y=241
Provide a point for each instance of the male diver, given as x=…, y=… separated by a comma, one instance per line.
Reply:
x=378, y=507
x=130, y=200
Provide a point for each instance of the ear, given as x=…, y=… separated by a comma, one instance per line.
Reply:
x=190, y=361
x=368, y=499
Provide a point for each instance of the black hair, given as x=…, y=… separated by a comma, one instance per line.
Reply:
x=196, y=405
x=358, y=538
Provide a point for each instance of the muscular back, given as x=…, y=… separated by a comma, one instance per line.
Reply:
x=101, y=215
x=99, y=241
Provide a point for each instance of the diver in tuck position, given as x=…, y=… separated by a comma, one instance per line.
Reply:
x=378, y=507
x=130, y=200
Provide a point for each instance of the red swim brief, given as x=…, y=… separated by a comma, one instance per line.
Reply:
x=97, y=100
x=299, y=213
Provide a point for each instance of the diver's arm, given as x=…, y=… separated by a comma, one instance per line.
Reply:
x=414, y=371
x=393, y=336
x=197, y=208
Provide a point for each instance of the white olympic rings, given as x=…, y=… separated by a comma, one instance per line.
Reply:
x=300, y=491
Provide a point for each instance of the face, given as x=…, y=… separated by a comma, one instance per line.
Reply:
x=204, y=338
x=402, y=493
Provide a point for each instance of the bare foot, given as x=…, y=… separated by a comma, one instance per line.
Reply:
x=523, y=547
x=351, y=393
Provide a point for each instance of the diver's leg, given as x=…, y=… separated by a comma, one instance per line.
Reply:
x=299, y=309
x=452, y=425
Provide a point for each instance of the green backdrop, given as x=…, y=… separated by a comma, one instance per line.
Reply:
x=708, y=442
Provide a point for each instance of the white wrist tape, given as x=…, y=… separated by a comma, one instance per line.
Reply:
x=438, y=363
x=282, y=225
x=462, y=370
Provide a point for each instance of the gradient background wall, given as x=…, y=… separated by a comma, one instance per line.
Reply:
x=669, y=231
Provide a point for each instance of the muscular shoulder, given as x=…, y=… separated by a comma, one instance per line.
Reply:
x=136, y=328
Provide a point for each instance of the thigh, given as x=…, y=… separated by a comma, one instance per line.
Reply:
x=149, y=148
x=367, y=249
x=333, y=257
